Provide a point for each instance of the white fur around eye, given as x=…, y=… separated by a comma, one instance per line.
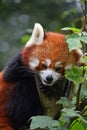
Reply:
x=33, y=63
x=69, y=66
x=58, y=64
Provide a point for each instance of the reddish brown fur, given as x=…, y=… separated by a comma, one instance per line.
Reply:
x=4, y=121
x=53, y=48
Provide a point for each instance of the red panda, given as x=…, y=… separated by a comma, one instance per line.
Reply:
x=45, y=58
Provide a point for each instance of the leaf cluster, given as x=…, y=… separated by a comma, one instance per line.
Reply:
x=75, y=39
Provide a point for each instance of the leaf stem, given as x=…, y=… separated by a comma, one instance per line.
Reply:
x=79, y=91
x=78, y=96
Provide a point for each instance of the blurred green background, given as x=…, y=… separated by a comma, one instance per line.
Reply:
x=17, y=18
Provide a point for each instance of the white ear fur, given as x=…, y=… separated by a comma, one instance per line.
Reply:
x=37, y=36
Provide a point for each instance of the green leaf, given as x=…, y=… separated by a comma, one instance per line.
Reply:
x=83, y=120
x=78, y=125
x=72, y=113
x=84, y=37
x=85, y=113
x=25, y=38
x=44, y=122
x=64, y=119
x=72, y=29
x=66, y=102
x=75, y=74
x=55, y=124
x=69, y=112
x=73, y=41
x=62, y=100
x=84, y=125
x=40, y=122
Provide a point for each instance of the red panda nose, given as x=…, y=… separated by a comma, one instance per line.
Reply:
x=49, y=78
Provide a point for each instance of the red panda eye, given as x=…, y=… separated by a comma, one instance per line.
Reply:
x=44, y=66
x=58, y=68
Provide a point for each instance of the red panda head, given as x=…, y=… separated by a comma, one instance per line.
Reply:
x=48, y=54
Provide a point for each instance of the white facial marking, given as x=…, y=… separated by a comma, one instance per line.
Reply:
x=58, y=64
x=48, y=62
x=33, y=63
x=37, y=36
x=80, y=52
x=69, y=66
x=49, y=72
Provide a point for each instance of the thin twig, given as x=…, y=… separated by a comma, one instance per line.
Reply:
x=84, y=22
x=85, y=13
x=78, y=92
x=78, y=96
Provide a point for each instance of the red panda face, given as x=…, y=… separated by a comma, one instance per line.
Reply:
x=48, y=75
x=48, y=54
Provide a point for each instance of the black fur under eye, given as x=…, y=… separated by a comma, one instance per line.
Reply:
x=44, y=66
x=58, y=68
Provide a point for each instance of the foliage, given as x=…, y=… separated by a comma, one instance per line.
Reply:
x=75, y=40
x=44, y=122
x=75, y=75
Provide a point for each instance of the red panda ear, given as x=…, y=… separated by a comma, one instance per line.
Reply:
x=37, y=36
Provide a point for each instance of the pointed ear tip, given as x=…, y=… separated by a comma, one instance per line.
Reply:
x=38, y=25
